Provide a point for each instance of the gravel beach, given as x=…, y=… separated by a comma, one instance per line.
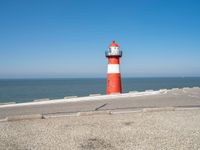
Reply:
x=151, y=130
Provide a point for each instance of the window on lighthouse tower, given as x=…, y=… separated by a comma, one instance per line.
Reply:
x=114, y=50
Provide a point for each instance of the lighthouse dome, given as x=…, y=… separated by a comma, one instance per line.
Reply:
x=113, y=44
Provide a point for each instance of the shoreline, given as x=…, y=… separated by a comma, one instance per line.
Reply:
x=91, y=97
x=22, y=91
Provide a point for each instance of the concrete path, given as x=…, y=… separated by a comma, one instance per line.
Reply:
x=187, y=97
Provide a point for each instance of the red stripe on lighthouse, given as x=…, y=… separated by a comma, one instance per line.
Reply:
x=113, y=83
x=113, y=60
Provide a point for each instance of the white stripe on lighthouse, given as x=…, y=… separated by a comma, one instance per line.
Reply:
x=113, y=68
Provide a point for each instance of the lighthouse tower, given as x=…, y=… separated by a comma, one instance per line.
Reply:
x=113, y=83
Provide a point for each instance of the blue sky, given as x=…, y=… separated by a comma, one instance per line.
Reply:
x=67, y=38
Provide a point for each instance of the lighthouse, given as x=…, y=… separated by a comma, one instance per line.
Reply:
x=113, y=83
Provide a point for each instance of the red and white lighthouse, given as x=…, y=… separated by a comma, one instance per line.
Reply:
x=113, y=83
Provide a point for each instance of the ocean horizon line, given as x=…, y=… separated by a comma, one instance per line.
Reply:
x=126, y=77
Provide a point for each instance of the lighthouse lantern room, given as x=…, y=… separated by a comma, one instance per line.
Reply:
x=113, y=50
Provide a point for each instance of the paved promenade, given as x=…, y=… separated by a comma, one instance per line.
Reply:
x=187, y=97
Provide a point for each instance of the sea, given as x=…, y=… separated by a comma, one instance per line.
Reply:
x=26, y=90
